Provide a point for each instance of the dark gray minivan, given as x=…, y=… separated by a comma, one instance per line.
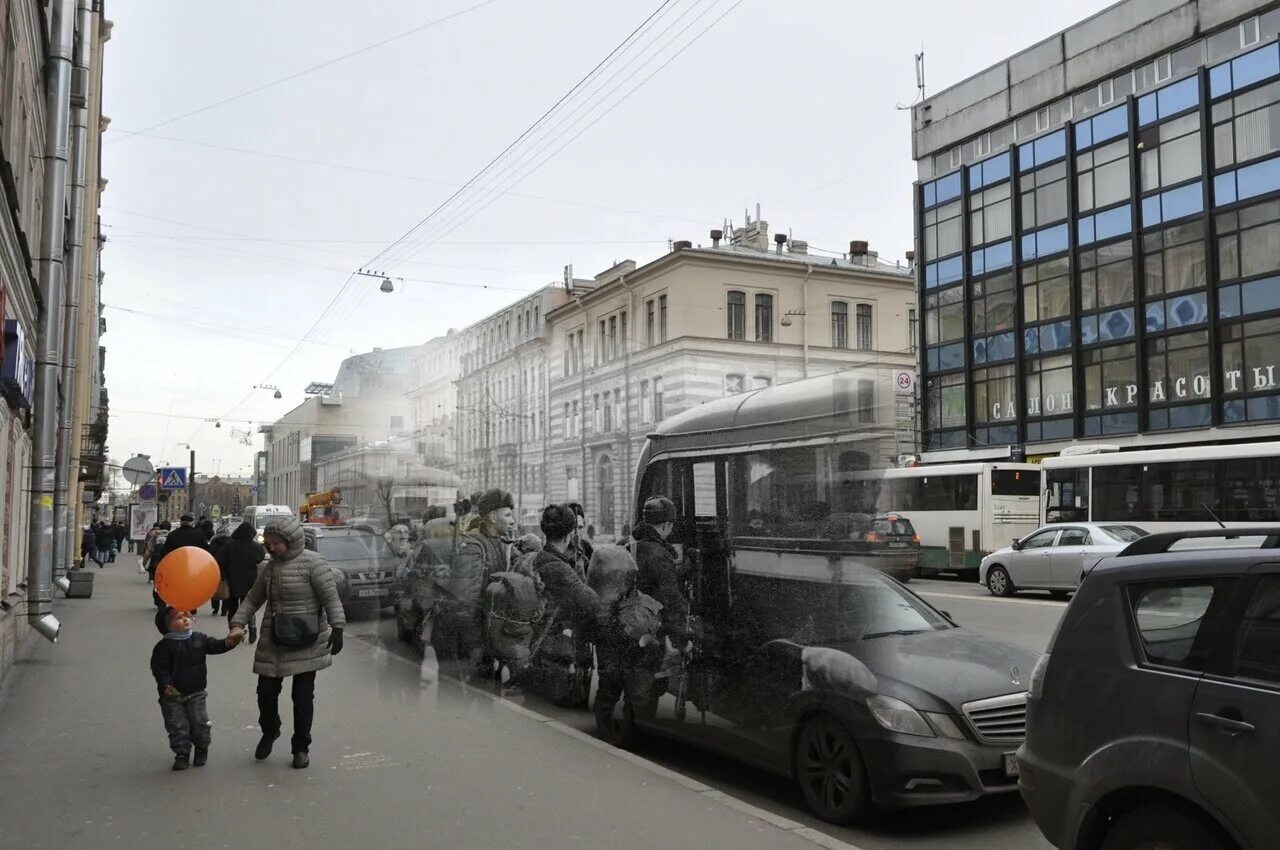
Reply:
x=1154, y=719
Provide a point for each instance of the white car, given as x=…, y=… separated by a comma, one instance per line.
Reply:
x=1053, y=556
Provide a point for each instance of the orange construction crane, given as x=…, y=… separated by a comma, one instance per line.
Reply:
x=324, y=507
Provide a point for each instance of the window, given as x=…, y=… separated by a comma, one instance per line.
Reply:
x=1247, y=126
x=943, y=189
x=618, y=421
x=1177, y=620
x=1042, y=151
x=568, y=422
x=646, y=404
x=942, y=231
x=1110, y=377
x=1174, y=259
x=764, y=318
x=1041, y=539
x=943, y=317
x=1251, y=358
x=1106, y=276
x=1257, y=653
x=736, y=310
x=1102, y=177
x=993, y=305
x=613, y=337
x=949, y=493
x=650, y=324
x=840, y=324
x=662, y=317
x=1170, y=153
x=1249, y=241
x=1253, y=67
x=866, y=401
x=1049, y=386
x=946, y=402
x=1015, y=482
x=990, y=216
x=913, y=330
x=1104, y=225
x=989, y=172
x=623, y=332
x=601, y=420
x=733, y=384
x=577, y=421
x=1178, y=368
x=760, y=382
x=864, y=327
x=995, y=392
x=1044, y=196
x=1046, y=293
x=601, y=344
x=657, y=399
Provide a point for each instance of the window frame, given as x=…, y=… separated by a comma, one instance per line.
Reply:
x=864, y=326
x=1225, y=592
x=840, y=324
x=735, y=314
x=764, y=317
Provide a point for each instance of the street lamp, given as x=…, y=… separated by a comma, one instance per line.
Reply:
x=277, y=394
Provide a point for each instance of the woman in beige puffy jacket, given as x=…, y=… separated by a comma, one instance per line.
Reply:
x=294, y=581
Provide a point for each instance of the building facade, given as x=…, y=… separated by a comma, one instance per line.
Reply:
x=699, y=324
x=433, y=401
x=365, y=403
x=1098, y=227
x=503, y=397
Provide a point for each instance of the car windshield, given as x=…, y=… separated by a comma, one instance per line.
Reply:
x=353, y=547
x=1124, y=533
x=866, y=605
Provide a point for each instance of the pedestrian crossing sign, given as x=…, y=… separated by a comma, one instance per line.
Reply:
x=173, y=478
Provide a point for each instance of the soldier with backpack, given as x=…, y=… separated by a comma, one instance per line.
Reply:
x=458, y=636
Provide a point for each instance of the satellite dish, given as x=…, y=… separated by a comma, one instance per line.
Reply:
x=138, y=469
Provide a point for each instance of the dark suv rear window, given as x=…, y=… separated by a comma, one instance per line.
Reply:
x=1177, y=621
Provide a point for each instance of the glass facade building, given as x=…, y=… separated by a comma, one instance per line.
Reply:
x=1115, y=268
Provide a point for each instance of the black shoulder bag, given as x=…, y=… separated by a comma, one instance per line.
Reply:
x=293, y=631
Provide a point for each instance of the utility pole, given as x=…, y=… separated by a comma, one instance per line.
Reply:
x=191, y=485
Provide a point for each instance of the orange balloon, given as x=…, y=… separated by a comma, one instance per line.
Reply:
x=187, y=578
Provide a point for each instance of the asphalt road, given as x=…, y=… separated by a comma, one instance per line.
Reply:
x=997, y=823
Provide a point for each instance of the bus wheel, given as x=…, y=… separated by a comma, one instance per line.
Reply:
x=829, y=771
x=999, y=583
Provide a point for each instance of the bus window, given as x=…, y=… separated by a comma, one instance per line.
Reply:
x=659, y=481
x=1251, y=490
x=704, y=490
x=1180, y=491
x=1117, y=492
x=1014, y=482
x=949, y=493
x=788, y=493
x=1068, y=498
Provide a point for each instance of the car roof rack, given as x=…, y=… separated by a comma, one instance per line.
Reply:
x=1154, y=544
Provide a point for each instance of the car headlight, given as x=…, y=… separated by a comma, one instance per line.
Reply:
x=1036, y=686
x=896, y=716
x=945, y=724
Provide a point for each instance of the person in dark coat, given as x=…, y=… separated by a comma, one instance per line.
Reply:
x=238, y=561
x=581, y=545
x=217, y=543
x=178, y=665
x=566, y=630
x=120, y=533
x=186, y=534
x=659, y=574
x=103, y=537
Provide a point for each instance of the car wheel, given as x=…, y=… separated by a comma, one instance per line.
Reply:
x=829, y=771
x=1162, y=828
x=998, y=581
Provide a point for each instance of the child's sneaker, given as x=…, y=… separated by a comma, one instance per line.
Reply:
x=202, y=757
x=181, y=761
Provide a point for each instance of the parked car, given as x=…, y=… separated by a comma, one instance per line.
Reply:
x=365, y=566
x=1152, y=719
x=876, y=699
x=886, y=541
x=1053, y=557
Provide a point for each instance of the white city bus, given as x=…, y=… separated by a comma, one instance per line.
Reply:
x=1166, y=489
x=962, y=511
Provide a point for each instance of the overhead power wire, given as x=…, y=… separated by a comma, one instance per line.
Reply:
x=595, y=121
x=304, y=72
x=377, y=257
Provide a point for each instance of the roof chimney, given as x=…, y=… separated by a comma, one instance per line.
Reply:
x=857, y=248
x=716, y=236
x=780, y=239
x=682, y=245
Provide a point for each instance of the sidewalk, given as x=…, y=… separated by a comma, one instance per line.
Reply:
x=84, y=760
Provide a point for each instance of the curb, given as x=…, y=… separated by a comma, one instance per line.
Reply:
x=813, y=836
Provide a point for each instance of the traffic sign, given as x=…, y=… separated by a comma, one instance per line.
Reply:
x=147, y=492
x=173, y=478
x=905, y=381
x=138, y=469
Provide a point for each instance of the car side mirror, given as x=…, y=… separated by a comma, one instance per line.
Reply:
x=1017, y=544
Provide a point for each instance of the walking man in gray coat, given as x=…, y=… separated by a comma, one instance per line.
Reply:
x=298, y=584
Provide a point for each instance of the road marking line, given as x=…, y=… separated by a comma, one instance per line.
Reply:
x=813, y=836
x=1041, y=602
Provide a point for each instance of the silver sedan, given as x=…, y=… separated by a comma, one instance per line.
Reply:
x=1053, y=556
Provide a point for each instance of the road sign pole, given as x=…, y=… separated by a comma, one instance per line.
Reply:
x=191, y=484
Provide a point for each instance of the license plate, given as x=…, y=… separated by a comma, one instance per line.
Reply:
x=897, y=545
x=377, y=591
x=1011, y=765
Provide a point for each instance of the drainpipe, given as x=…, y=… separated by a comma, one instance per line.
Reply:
x=64, y=529
x=804, y=315
x=49, y=339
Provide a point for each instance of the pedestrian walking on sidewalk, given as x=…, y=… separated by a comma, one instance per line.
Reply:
x=458, y=637
x=561, y=668
x=238, y=560
x=301, y=632
x=178, y=664
x=103, y=537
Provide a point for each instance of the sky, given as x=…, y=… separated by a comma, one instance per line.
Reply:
x=233, y=231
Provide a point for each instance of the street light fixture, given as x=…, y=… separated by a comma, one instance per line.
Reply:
x=277, y=393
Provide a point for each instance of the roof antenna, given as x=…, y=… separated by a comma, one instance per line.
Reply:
x=919, y=82
x=1210, y=512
